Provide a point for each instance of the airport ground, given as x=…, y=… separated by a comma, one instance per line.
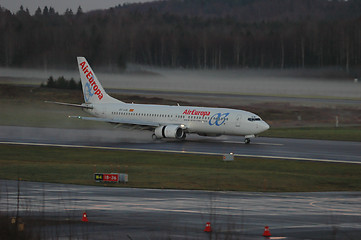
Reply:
x=337, y=218
x=55, y=212
x=181, y=168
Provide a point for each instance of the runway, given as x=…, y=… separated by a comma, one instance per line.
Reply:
x=126, y=213
x=289, y=149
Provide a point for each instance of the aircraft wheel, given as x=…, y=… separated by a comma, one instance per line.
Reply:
x=247, y=140
x=154, y=137
x=183, y=137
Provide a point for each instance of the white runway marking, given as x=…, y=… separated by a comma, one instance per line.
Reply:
x=269, y=144
x=182, y=151
x=322, y=204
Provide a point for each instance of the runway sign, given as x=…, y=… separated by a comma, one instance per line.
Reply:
x=106, y=177
x=110, y=177
x=123, y=177
x=98, y=177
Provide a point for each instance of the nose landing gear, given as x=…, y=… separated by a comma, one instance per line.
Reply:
x=247, y=138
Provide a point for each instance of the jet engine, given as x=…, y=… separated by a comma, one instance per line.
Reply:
x=170, y=131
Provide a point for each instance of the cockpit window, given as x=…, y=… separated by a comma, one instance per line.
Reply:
x=254, y=118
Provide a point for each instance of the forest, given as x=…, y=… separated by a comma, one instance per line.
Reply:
x=212, y=34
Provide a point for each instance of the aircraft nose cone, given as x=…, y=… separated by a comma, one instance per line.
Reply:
x=264, y=126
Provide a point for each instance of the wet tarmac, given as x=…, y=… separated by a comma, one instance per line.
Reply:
x=121, y=139
x=127, y=213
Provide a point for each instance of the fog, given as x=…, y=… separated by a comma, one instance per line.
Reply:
x=253, y=82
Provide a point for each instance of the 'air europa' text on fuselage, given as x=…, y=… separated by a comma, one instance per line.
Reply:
x=89, y=76
x=195, y=112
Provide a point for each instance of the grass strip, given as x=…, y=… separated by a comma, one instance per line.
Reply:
x=175, y=171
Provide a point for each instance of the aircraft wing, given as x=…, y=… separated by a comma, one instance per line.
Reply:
x=119, y=121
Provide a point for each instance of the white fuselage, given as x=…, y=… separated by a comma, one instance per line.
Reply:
x=200, y=120
x=166, y=121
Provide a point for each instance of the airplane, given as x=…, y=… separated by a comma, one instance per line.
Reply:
x=165, y=121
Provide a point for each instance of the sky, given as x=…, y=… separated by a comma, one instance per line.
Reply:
x=61, y=5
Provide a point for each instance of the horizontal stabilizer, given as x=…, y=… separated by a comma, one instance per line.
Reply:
x=87, y=106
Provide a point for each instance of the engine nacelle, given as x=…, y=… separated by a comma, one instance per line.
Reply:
x=170, y=131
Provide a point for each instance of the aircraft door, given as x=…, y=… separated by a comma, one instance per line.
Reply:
x=238, y=121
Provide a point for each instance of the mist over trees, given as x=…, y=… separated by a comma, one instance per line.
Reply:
x=188, y=34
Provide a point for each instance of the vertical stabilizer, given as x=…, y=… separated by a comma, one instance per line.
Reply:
x=92, y=89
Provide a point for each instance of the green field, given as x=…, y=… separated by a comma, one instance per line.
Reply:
x=175, y=171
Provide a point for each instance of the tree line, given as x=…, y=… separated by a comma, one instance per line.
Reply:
x=61, y=83
x=152, y=35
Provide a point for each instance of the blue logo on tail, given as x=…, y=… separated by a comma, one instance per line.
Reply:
x=88, y=92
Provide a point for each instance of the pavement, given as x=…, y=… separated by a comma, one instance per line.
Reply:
x=122, y=139
x=128, y=213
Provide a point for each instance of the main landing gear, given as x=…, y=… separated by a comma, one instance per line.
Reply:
x=154, y=137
